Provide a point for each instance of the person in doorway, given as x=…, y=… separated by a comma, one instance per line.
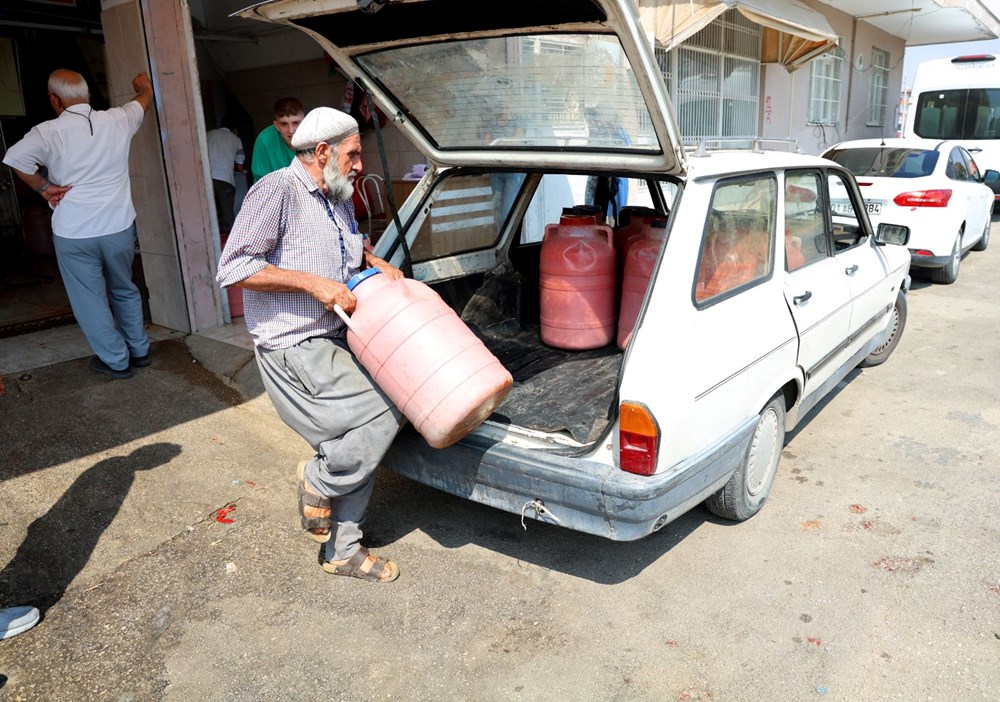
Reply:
x=17, y=620
x=225, y=158
x=273, y=147
x=78, y=162
x=294, y=246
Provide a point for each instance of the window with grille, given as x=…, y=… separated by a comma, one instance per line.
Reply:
x=714, y=79
x=825, y=87
x=878, y=90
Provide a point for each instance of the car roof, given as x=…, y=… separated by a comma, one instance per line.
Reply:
x=578, y=78
x=729, y=162
x=896, y=143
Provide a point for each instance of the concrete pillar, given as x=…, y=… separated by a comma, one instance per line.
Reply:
x=178, y=233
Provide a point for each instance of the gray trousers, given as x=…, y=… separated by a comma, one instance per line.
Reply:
x=320, y=390
x=93, y=269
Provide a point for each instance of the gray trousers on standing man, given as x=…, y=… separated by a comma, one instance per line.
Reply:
x=321, y=391
x=93, y=269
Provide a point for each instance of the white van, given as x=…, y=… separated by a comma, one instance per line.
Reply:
x=959, y=98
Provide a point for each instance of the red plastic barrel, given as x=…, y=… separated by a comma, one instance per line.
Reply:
x=578, y=282
x=434, y=369
x=639, y=264
x=634, y=222
x=233, y=294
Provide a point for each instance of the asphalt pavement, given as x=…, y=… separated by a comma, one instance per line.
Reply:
x=154, y=522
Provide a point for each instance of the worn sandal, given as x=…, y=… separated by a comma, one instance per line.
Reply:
x=320, y=527
x=366, y=566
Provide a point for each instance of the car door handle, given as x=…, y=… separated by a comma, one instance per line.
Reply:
x=851, y=270
x=799, y=299
x=975, y=150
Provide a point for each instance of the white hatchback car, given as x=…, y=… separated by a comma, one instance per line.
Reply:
x=759, y=301
x=933, y=187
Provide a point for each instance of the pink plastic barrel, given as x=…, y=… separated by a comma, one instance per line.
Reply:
x=434, y=369
x=578, y=283
x=639, y=264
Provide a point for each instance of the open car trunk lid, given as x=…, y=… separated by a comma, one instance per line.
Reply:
x=580, y=76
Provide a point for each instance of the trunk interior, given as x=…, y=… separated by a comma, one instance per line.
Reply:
x=555, y=390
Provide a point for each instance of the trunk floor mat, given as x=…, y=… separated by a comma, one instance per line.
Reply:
x=556, y=390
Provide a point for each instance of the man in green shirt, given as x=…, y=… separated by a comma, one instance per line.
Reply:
x=273, y=148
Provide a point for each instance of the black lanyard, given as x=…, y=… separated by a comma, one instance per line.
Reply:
x=340, y=234
x=86, y=117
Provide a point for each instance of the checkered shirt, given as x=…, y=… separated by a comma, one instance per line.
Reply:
x=283, y=221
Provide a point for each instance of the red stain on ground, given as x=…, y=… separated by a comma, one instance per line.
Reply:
x=994, y=588
x=694, y=693
x=220, y=515
x=867, y=524
x=858, y=509
x=815, y=642
x=810, y=524
x=672, y=643
x=901, y=564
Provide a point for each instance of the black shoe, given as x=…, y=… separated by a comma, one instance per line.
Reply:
x=99, y=366
x=140, y=361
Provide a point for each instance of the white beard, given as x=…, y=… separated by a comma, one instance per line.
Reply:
x=339, y=187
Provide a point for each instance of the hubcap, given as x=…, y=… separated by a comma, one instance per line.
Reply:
x=763, y=452
x=893, y=328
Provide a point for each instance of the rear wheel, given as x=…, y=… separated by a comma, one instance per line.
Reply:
x=881, y=354
x=949, y=274
x=984, y=240
x=748, y=488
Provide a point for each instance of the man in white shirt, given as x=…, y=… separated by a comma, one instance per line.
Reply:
x=78, y=162
x=225, y=158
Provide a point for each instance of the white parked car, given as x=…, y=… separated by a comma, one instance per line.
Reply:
x=761, y=299
x=933, y=187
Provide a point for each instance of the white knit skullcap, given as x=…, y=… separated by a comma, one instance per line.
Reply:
x=323, y=124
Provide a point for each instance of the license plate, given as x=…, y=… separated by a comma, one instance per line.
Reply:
x=842, y=207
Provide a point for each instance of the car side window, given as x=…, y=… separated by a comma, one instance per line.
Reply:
x=739, y=236
x=847, y=229
x=956, y=168
x=805, y=219
x=970, y=163
x=462, y=213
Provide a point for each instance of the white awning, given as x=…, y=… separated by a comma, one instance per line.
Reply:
x=793, y=33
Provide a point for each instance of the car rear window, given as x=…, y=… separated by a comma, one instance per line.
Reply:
x=886, y=162
x=544, y=90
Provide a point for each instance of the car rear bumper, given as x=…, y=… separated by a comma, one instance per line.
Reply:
x=580, y=494
x=929, y=261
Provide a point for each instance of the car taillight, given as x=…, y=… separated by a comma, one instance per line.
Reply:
x=639, y=439
x=923, y=198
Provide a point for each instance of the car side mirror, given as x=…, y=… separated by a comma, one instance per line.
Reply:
x=893, y=234
x=991, y=176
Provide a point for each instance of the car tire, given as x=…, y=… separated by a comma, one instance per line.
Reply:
x=947, y=275
x=984, y=240
x=896, y=325
x=748, y=488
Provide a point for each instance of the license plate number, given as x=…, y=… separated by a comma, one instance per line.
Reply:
x=843, y=207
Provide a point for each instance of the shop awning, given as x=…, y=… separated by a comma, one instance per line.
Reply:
x=793, y=33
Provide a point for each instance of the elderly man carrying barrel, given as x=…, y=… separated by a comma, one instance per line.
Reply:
x=293, y=247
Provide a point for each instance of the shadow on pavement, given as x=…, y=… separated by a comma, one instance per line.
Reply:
x=65, y=411
x=400, y=506
x=60, y=542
